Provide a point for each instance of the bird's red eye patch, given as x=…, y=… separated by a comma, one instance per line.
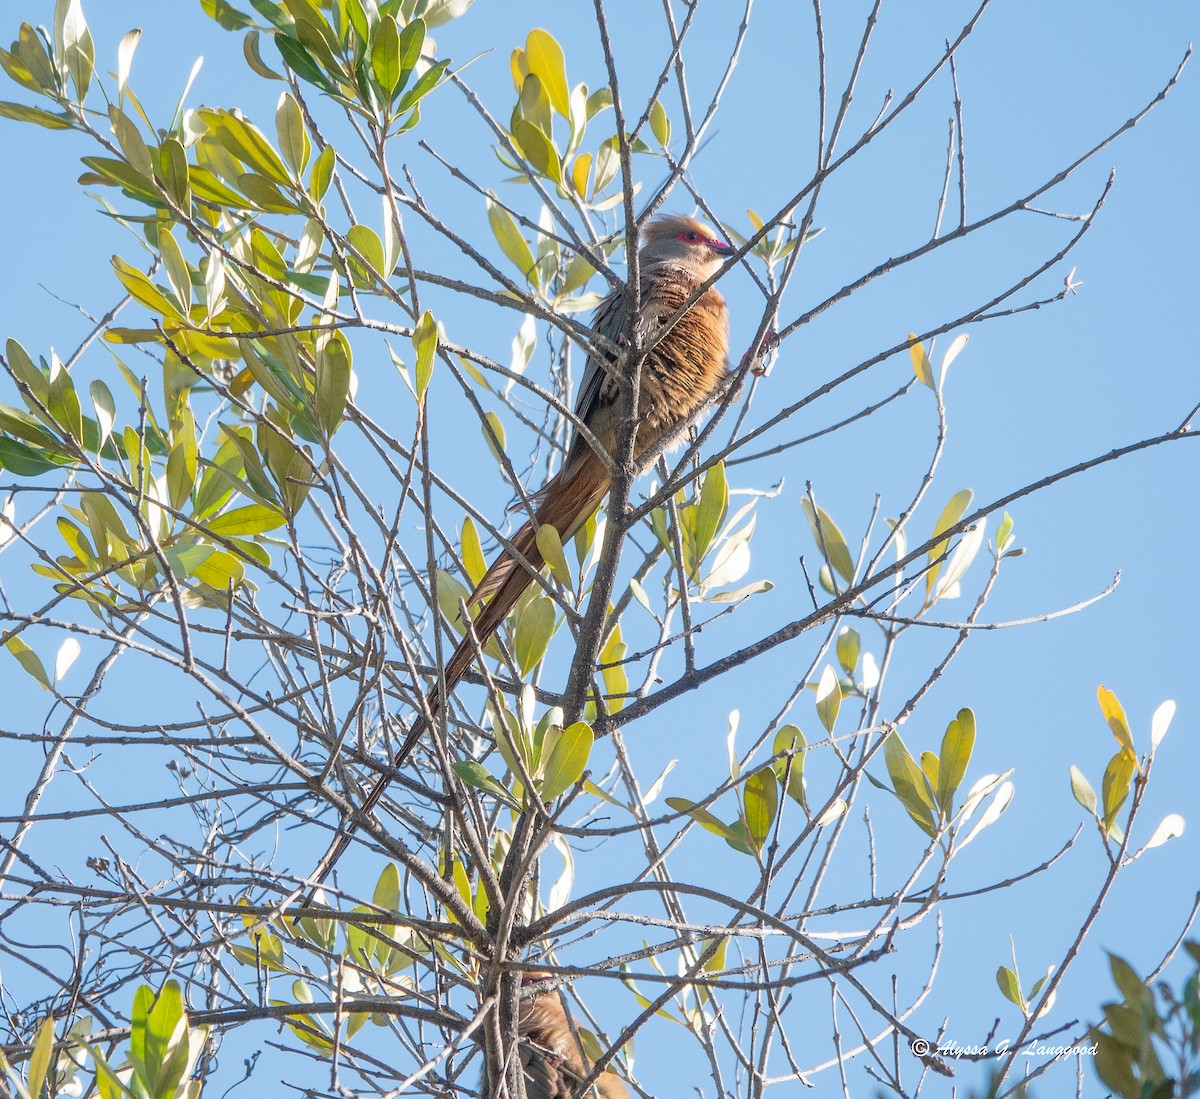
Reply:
x=691, y=236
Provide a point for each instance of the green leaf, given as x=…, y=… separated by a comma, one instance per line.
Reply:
x=24, y=461
x=710, y=513
x=246, y=142
x=472, y=553
x=387, y=889
x=385, y=55
x=1118, y=777
x=1114, y=1065
x=411, y=42
x=545, y=60
x=425, y=342
x=568, y=760
x=849, y=645
x=226, y=15
x=1009, y=986
x=322, y=173
x=909, y=783
x=551, y=548
x=1004, y=533
x=63, y=401
x=957, y=745
x=246, y=520
x=660, y=124
x=40, y=1057
x=28, y=660
x=829, y=539
x=429, y=79
x=534, y=628
x=28, y=376
x=176, y=267
x=512, y=243
x=829, y=698
x=181, y=462
x=1082, y=790
x=293, y=137
x=73, y=43
x=951, y=513
x=474, y=774
x=19, y=112
x=760, y=800
x=538, y=149
x=493, y=434
x=333, y=372
x=791, y=739
x=735, y=837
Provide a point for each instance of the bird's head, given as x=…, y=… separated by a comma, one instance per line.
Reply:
x=683, y=240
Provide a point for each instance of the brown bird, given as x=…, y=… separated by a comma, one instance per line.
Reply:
x=680, y=374
x=550, y=1054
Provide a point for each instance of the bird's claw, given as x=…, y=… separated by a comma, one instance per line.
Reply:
x=766, y=347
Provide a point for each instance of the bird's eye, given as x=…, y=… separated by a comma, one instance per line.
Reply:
x=693, y=237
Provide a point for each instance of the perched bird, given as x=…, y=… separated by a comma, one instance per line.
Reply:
x=550, y=1054
x=680, y=373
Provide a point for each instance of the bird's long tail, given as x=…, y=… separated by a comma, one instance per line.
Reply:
x=566, y=503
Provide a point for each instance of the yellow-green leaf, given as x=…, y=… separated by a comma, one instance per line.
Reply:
x=829, y=539
x=1118, y=777
x=493, y=434
x=1114, y=714
x=246, y=520
x=332, y=382
x=957, y=745
x=1082, y=790
x=791, y=739
x=551, y=548
x=660, y=124
x=760, y=800
x=568, y=760
x=710, y=513
x=951, y=514
x=512, y=243
x=293, y=137
x=538, y=149
x=544, y=59
x=385, y=54
x=535, y=627
x=920, y=360
x=28, y=660
x=472, y=553
x=829, y=698
x=425, y=342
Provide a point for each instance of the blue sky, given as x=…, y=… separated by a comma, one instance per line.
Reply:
x=1031, y=394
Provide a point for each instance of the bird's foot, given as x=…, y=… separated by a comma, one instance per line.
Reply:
x=767, y=347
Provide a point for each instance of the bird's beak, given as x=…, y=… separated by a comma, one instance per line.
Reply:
x=722, y=248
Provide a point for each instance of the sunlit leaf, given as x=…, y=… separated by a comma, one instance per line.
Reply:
x=1082, y=790
x=829, y=698
x=28, y=660
x=829, y=539
x=544, y=59
x=920, y=360
x=1117, y=722
x=957, y=746
x=568, y=760
x=760, y=800
x=1170, y=827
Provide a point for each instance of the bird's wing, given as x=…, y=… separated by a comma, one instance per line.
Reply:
x=609, y=321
